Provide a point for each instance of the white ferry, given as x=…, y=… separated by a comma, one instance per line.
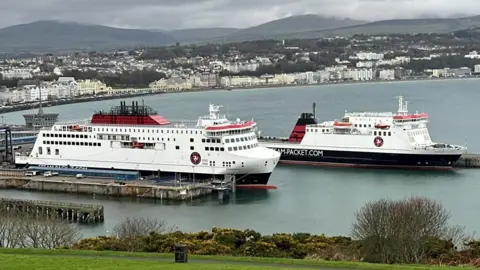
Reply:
x=137, y=138
x=366, y=139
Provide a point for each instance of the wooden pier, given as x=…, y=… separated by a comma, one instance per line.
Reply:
x=75, y=212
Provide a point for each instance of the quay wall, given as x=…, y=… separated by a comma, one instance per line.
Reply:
x=468, y=161
x=101, y=188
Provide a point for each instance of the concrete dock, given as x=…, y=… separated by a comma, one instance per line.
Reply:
x=75, y=212
x=16, y=179
x=468, y=161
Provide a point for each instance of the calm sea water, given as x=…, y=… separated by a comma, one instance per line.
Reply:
x=316, y=200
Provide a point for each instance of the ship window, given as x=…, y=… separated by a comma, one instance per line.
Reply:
x=384, y=133
x=375, y=133
x=90, y=144
x=389, y=133
x=241, y=139
x=208, y=140
x=235, y=148
x=49, y=151
x=177, y=147
x=206, y=148
x=57, y=152
x=212, y=149
x=229, y=148
x=191, y=139
x=237, y=140
x=217, y=149
x=192, y=148
x=177, y=131
x=99, y=144
x=364, y=125
x=69, y=143
x=77, y=143
x=203, y=140
x=222, y=149
x=227, y=140
x=40, y=150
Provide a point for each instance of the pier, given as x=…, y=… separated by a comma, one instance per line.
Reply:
x=16, y=179
x=75, y=212
x=468, y=161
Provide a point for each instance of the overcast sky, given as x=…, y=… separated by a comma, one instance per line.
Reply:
x=178, y=14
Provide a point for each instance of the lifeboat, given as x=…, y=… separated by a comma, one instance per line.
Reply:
x=342, y=125
x=137, y=145
x=76, y=128
x=382, y=126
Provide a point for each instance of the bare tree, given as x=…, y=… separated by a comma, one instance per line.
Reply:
x=399, y=231
x=135, y=227
x=28, y=230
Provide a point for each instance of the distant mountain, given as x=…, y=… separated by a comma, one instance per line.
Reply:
x=292, y=24
x=411, y=26
x=201, y=34
x=55, y=36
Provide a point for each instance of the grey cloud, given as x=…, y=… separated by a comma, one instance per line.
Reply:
x=177, y=14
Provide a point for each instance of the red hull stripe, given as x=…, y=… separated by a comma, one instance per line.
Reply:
x=253, y=186
x=351, y=165
x=232, y=126
x=410, y=116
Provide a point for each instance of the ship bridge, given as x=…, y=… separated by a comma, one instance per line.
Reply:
x=217, y=125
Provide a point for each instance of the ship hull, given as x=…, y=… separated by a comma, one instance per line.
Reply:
x=341, y=158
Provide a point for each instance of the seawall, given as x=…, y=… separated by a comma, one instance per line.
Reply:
x=468, y=161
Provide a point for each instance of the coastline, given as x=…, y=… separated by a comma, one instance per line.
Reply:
x=29, y=106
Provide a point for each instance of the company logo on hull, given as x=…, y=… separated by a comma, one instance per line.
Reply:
x=378, y=141
x=195, y=158
x=299, y=152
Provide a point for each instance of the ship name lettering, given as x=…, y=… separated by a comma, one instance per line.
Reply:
x=300, y=152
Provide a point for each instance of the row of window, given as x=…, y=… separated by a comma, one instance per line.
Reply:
x=55, y=135
x=208, y=140
x=243, y=147
x=229, y=132
x=141, y=130
x=213, y=149
x=379, y=133
x=242, y=139
x=49, y=151
x=72, y=143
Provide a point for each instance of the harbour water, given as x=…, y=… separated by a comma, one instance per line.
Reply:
x=308, y=199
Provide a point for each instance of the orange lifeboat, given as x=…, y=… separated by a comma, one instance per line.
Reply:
x=342, y=125
x=137, y=145
x=382, y=126
x=76, y=128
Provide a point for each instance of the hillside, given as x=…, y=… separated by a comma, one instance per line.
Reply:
x=292, y=24
x=54, y=36
x=411, y=26
x=201, y=34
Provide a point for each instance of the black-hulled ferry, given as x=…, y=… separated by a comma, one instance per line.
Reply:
x=366, y=139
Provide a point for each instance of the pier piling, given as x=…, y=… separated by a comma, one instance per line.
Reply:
x=74, y=212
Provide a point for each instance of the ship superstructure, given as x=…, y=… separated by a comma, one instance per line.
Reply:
x=366, y=139
x=136, y=138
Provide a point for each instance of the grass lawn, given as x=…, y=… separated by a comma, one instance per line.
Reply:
x=39, y=262
x=85, y=259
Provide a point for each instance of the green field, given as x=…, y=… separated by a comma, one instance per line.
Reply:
x=41, y=259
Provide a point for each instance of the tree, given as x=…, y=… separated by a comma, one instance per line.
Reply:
x=402, y=231
x=136, y=227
